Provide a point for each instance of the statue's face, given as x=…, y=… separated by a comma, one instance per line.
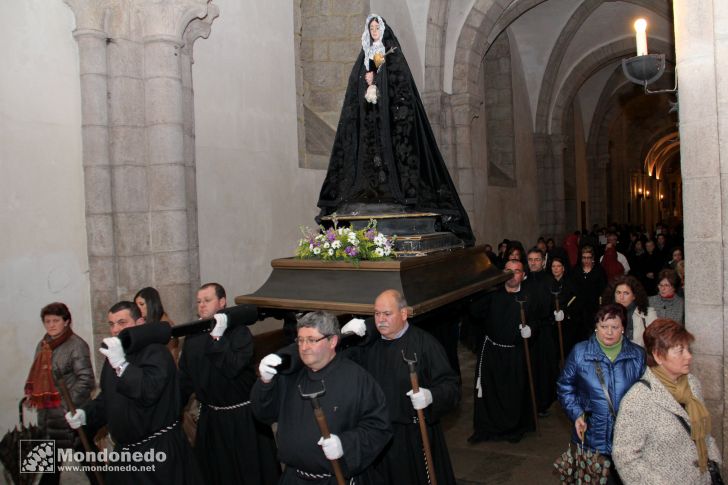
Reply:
x=374, y=30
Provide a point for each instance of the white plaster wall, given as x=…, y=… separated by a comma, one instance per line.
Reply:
x=43, y=256
x=252, y=195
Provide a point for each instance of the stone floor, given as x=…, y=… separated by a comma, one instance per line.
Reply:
x=527, y=462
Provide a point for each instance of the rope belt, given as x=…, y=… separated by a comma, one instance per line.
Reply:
x=225, y=408
x=478, y=384
x=152, y=436
x=312, y=476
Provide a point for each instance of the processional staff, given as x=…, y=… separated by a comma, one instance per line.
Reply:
x=61, y=385
x=411, y=364
x=528, y=363
x=323, y=425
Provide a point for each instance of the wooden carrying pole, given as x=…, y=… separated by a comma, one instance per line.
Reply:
x=323, y=427
x=61, y=385
x=528, y=367
x=421, y=418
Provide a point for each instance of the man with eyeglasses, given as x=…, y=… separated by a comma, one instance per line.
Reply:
x=383, y=356
x=502, y=407
x=230, y=444
x=352, y=402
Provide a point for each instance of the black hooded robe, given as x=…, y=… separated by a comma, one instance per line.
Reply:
x=355, y=411
x=231, y=445
x=144, y=405
x=502, y=404
x=386, y=153
x=403, y=459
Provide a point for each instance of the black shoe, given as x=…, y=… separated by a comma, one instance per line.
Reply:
x=514, y=438
x=477, y=438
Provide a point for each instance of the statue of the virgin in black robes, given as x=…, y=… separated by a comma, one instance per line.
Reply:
x=385, y=157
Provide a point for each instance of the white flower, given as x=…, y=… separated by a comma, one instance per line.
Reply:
x=316, y=250
x=331, y=252
x=310, y=246
x=336, y=244
x=354, y=242
x=327, y=245
x=380, y=239
x=387, y=250
x=379, y=252
x=340, y=231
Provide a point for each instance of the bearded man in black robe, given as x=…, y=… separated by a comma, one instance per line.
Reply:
x=502, y=407
x=352, y=402
x=385, y=157
x=139, y=403
x=382, y=354
x=231, y=445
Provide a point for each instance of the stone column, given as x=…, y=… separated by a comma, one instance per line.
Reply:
x=138, y=127
x=196, y=29
x=464, y=108
x=701, y=46
x=91, y=39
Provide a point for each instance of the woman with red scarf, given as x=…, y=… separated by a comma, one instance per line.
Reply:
x=60, y=351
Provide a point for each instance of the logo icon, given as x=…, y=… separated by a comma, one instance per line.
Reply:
x=37, y=456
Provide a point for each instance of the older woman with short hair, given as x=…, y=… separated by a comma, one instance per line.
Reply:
x=667, y=303
x=663, y=427
x=597, y=374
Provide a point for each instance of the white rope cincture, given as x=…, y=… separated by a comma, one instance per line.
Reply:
x=478, y=384
x=225, y=408
x=152, y=436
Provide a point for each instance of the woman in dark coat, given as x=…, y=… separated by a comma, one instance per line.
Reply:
x=605, y=361
x=60, y=351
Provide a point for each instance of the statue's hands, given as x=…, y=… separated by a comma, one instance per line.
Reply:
x=369, y=77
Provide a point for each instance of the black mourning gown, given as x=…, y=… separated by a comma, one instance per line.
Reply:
x=385, y=154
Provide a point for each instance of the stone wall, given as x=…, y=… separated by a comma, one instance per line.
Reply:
x=327, y=39
x=701, y=45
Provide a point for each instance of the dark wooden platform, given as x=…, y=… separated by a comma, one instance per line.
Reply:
x=427, y=282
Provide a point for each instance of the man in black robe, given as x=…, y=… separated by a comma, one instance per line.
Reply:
x=403, y=460
x=502, y=407
x=544, y=344
x=231, y=445
x=139, y=403
x=352, y=402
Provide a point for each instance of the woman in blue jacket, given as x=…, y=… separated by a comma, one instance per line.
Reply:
x=597, y=374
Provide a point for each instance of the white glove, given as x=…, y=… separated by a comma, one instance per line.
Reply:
x=114, y=352
x=220, y=325
x=355, y=325
x=77, y=419
x=559, y=315
x=268, y=366
x=525, y=331
x=420, y=399
x=332, y=447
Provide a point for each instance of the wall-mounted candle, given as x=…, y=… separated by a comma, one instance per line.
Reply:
x=640, y=27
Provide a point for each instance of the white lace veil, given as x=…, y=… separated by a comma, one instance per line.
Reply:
x=366, y=40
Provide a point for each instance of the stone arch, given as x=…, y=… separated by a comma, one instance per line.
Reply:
x=557, y=53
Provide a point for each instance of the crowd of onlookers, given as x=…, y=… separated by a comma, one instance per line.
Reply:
x=626, y=383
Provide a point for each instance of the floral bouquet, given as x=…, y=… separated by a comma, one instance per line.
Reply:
x=345, y=244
